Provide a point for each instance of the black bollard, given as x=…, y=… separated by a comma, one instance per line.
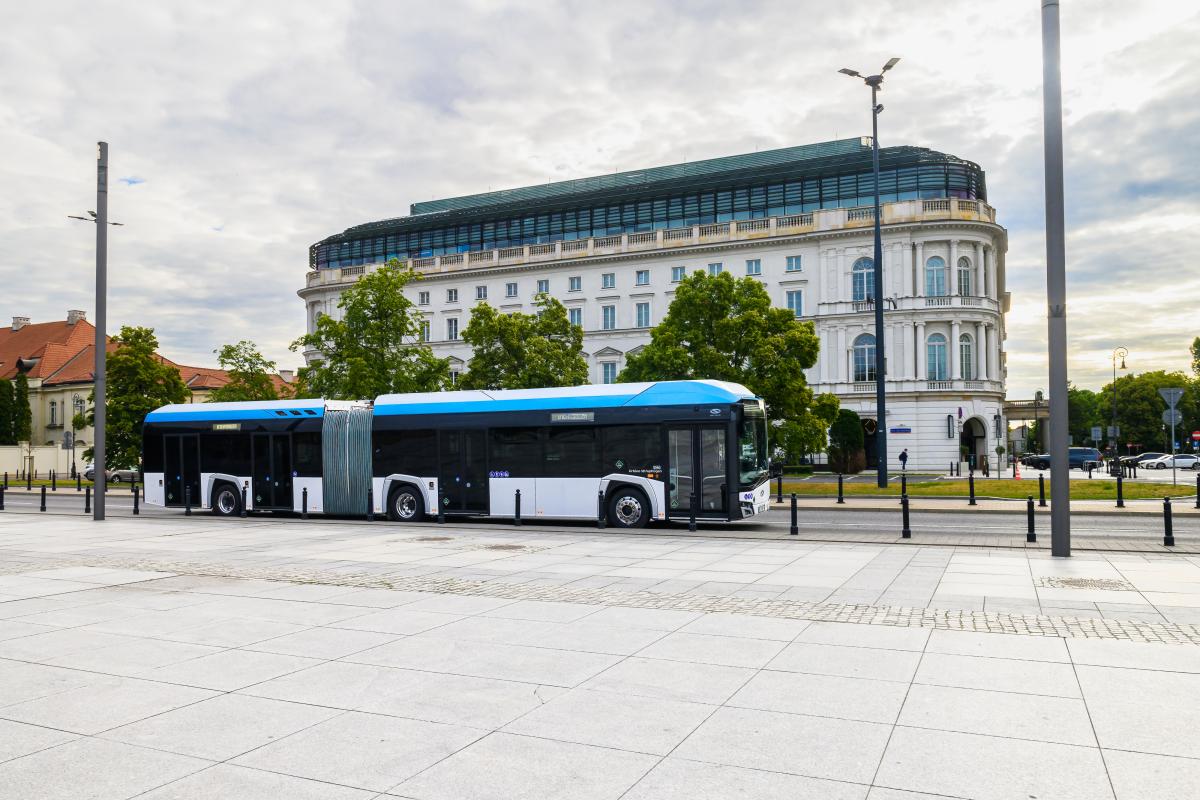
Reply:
x=441, y=513
x=1030, y=534
x=28, y=482
x=971, y=484
x=370, y=504
x=1120, y=492
x=903, y=487
x=54, y=480
x=1, y=498
x=243, y=511
x=841, y=495
x=136, y=493
x=905, y=529
x=187, y=500
x=43, y=506
x=87, y=499
x=78, y=482
x=517, y=508
x=1198, y=491
x=692, y=513
x=1042, y=491
x=779, y=488
x=5, y=479
x=304, y=503
x=1168, y=533
x=795, y=530
x=600, y=509
x=1089, y=471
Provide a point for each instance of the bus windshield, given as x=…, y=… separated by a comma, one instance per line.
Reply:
x=752, y=444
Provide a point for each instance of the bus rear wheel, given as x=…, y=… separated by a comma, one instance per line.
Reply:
x=225, y=501
x=628, y=508
x=406, y=505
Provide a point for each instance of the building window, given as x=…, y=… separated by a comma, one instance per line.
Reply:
x=422, y=298
x=935, y=277
x=424, y=335
x=794, y=264
x=608, y=372
x=864, y=279
x=642, y=278
x=964, y=277
x=575, y=284
x=864, y=358
x=754, y=266
x=53, y=413
x=510, y=290
x=454, y=377
x=575, y=316
x=543, y=286
x=678, y=274
x=608, y=317
x=608, y=280
x=966, y=356
x=935, y=357
x=795, y=301
x=452, y=329
x=716, y=269
x=452, y=295
x=481, y=293
x=643, y=315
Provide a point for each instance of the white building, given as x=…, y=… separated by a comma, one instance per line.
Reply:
x=612, y=248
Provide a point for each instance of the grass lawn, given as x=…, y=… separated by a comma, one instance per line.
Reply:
x=1080, y=489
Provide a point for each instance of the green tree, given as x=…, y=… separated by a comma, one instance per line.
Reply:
x=22, y=411
x=846, y=442
x=374, y=349
x=809, y=433
x=1195, y=351
x=722, y=328
x=524, y=351
x=139, y=381
x=249, y=374
x=1140, y=407
x=7, y=410
x=1083, y=413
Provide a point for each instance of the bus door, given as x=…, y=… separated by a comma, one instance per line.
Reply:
x=696, y=463
x=462, y=471
x=271, y=470
x=181, y=469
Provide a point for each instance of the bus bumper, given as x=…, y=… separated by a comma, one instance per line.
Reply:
x=756, y=500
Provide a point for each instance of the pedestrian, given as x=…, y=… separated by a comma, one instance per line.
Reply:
x=904, y=460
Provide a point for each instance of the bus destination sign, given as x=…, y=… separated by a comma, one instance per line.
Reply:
x=573, y=416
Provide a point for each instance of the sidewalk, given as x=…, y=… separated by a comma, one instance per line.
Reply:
x=1180, y=506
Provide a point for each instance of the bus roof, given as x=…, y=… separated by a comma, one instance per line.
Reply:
x=611, y=395
x=249, y=409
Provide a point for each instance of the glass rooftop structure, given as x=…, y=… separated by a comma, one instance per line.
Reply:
x=790, y=180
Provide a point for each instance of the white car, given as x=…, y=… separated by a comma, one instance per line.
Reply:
x=1182, y=461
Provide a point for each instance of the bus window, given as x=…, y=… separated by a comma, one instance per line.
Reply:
x=752, y=447
x=407, y=452
x=306, y=454
x=572, y=452
x=515, y=453
x=225, y=452
x=632, y=449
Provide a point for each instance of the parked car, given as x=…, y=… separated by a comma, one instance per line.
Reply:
x=1077, y=458
x=89, y=472
x=112, y=475
x=1182, y=461
x=1141, y=458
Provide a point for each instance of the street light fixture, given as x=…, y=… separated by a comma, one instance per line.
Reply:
x=876, y=84
x=1120, y=353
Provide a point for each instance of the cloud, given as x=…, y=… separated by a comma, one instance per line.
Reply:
x=278, y=123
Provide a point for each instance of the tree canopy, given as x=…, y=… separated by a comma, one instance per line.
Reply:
x=846, y=442
x=1083, y=413
x=524, y=351
x=1140, y=407
x=249, y=374
x=139, y=381
x=375, y=347
x=809, y=433
x=7, y=410
x=22, y=414
x=726, y=329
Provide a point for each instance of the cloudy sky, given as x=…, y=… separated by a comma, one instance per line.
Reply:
x=241, y=133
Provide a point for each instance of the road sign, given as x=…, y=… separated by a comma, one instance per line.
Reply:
x=1113, y=433
x=1097, y=433
x=1196, y=436
x=1171, y=396
x=1172, y=416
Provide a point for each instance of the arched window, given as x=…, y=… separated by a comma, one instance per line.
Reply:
x=864, y=279
x=935, y=277
x=864, y=357
x=935, y=356
x=966, y=356
x=964, y=277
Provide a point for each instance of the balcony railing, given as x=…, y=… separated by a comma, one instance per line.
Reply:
x=827, y=219
x=864, y=386
x=935, y=385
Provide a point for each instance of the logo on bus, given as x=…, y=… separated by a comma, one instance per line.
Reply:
x=498, y=473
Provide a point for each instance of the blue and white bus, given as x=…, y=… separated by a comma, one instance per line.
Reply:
x=643, y=451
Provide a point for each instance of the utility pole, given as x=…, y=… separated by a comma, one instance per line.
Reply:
x=1056, y=284
x=100, y=477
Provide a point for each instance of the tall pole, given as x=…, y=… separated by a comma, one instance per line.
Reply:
x=880, y=361
x=1056, y=284
x=101, y=310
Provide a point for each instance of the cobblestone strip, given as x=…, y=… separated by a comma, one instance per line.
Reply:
x=895, y=616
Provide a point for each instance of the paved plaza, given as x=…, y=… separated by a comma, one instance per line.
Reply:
x=185, y=658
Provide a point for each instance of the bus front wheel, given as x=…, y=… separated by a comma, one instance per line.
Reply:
x=225, y=501
x=628, y=508
x=406, y=505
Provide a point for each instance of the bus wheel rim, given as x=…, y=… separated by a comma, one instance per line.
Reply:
x=406, y=506
x=225, y=502
x=629, y=510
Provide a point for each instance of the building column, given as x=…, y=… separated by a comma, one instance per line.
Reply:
x=955, y=370
x=981, y=351
x=823, y=356
x=906, y=272
x=889, y=350
x=919, y=271
x=845, y=290
x=989, y=257
x=994, y=355
x=952, y=278
x=980, y=288
x=919, y=349
x=842, y=368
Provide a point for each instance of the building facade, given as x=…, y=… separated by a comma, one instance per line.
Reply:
x=800, y=220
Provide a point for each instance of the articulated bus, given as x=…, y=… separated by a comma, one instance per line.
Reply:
x=640, y=451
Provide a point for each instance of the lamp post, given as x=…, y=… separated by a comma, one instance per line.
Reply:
x=100, y=218
x=876, y=84
x=1120, y=352
x=1038, y=396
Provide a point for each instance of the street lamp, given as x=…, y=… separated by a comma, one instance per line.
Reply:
x=876, y=84
x=1120, y=352
x=1038, y=397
